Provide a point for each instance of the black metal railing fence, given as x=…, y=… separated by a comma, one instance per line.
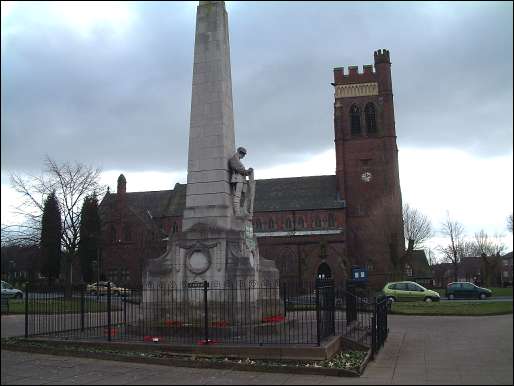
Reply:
x=204, y=313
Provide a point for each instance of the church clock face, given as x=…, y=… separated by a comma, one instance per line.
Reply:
x=366, y=176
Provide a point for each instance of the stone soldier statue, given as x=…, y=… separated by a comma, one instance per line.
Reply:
x=238, y=179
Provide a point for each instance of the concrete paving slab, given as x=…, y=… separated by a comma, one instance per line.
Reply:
x=382, y=372
x=443, y=375
x=304, y=379
x=486, y=360
x=8, y=379
x=27, y=381
x=241, y=378
x=352, y=381
x=126, y=380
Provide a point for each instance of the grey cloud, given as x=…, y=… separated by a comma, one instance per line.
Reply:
x=124, y=104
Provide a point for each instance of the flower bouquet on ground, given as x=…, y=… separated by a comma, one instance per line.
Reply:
x=204, y=342
x=173, y=323
x=273, y=319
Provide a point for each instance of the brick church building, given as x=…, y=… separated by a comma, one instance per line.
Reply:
x=310, y=226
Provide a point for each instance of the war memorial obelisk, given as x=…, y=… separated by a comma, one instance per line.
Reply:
x=217, y=243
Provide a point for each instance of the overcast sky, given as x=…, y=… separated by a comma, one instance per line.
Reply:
x=109, y=84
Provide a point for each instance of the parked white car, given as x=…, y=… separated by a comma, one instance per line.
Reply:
x=8, y=291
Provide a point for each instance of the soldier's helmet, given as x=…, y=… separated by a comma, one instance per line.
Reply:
x=241, y=150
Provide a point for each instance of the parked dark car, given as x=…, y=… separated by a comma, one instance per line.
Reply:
x=466, y=290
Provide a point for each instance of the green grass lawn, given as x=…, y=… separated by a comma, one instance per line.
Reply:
x=497, y=291
x=58, y=306
x=452, y=308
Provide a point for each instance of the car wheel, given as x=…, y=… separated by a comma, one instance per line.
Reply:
x=451, y=296
x=482, y=296
x=428, y=300
x=18, y=296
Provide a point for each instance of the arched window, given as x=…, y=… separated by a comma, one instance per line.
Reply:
x=289, y=224
x=317, y=222
x=371, y=123
x=324, y=271
x=331, y=221
x=127, y=233
x=300, y=224
x=258, y=224
x=355, y=120
x=271, y=224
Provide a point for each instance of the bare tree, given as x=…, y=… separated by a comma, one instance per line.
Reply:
x=489, y=250
x=417, y=228
x=509, y=223
x=454, y=250
x=71, y=183
x=488, y=246
x=19, y=235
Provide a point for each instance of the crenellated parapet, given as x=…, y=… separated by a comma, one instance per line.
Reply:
x=380, y=73
x=382, y=56
x=354, y=76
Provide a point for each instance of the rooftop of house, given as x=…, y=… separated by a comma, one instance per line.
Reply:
x=419, y=263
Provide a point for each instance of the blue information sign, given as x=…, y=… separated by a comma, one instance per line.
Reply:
x=359, y=274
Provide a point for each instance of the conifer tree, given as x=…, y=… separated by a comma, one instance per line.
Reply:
x=51, y=231
x=89, y=236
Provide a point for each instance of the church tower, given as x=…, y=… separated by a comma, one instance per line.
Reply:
x=367, y=165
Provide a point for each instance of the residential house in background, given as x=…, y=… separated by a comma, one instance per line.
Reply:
x=21, y=263
x=416, y=268
x=506, y=270
x=494, y=271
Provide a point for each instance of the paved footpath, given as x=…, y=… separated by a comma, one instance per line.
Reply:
x=419, y=350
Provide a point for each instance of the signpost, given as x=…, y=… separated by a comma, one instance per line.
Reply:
x=198, y=284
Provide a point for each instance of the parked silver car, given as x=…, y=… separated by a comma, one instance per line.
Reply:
x=8, y=291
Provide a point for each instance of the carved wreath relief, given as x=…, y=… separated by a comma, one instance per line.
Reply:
x=198, y=257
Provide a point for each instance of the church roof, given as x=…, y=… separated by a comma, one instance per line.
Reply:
x=296, y=193
x=277, y=194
